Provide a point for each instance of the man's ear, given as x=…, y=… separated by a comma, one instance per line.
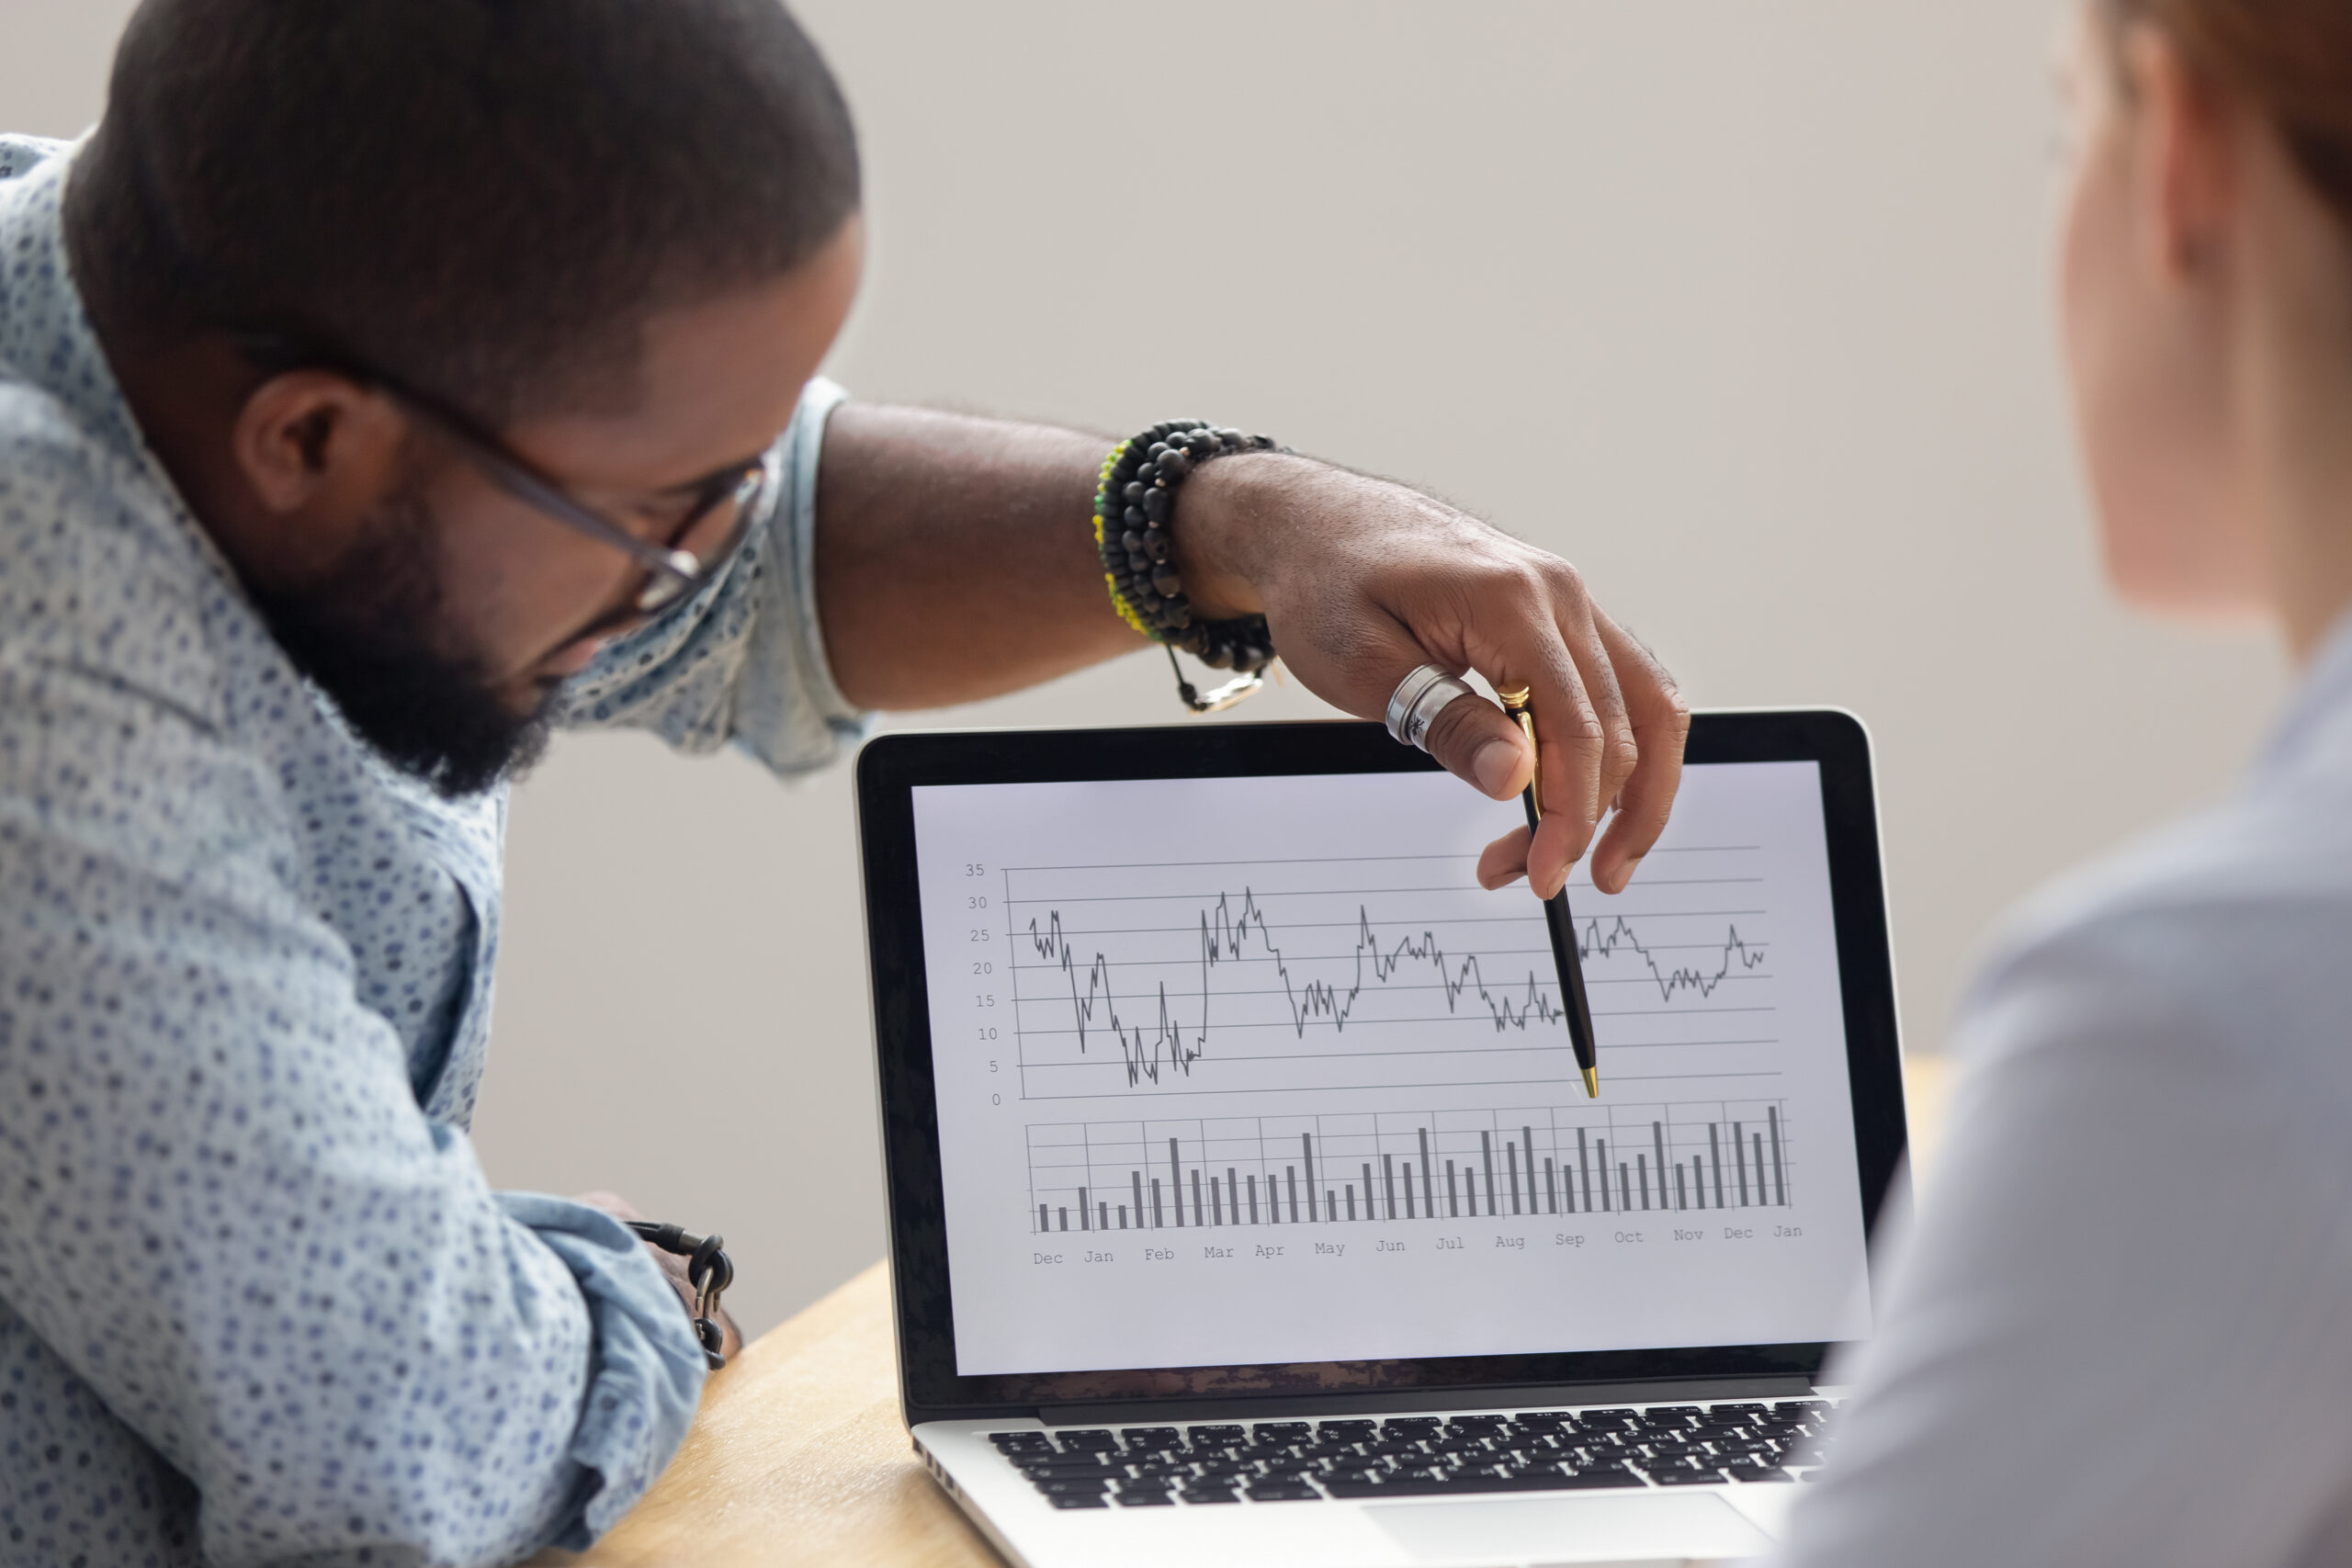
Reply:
x=312, y=443
x=2183, y=142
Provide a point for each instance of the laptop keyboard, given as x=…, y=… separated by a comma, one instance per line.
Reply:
x=1420, y=1456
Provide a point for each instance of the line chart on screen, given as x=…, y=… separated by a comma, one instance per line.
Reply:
x=1202, y=978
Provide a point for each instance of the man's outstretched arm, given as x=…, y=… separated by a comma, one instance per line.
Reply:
x=955, y=560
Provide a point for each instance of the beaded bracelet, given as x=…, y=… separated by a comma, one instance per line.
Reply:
x=1135, y=504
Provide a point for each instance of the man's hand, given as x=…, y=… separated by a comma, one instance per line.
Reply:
x=673, y=1268
x=1362, y=579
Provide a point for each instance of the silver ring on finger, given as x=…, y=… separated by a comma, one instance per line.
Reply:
x=1419, y=698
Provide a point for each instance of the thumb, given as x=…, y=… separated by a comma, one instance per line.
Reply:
x=1478, y=743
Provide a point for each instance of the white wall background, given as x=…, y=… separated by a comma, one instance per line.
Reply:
x=1740, y=306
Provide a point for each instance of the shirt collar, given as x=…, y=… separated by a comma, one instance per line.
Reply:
x=46, y=341
x=46, y=338
x=2318, y=719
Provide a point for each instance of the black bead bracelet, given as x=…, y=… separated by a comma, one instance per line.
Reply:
x=1135, y=504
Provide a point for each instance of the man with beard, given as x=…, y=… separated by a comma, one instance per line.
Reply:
x=380, y=383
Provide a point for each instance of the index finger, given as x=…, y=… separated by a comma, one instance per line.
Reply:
x=1569, y=736
x=1661, y=719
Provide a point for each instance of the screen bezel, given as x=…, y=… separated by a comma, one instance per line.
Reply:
x=891, y=767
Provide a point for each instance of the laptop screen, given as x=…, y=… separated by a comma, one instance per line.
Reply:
x=1250, y=1070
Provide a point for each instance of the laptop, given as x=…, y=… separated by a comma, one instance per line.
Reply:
x=1247, y=1205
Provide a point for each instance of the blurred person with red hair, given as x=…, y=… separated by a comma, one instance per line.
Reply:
x=2121, y=1331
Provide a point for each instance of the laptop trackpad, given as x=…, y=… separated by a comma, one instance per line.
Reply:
x=1644, y=1526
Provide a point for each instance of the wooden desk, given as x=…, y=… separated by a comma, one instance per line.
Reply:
x=799, y=1455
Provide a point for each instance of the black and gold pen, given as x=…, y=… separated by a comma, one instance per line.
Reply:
x=1556, y=917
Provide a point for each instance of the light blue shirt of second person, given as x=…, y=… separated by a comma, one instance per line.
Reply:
x=258, y=1302
x=2121, y=1331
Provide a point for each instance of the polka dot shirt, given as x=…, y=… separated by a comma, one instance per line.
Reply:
x=258, y=1304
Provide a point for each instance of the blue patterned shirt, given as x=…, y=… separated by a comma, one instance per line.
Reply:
x=257, y=1304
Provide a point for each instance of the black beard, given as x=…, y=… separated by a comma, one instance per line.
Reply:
x=362, y=636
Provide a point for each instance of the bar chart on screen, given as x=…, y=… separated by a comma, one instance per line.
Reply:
x=1252, y=1069
x=1269, y=1172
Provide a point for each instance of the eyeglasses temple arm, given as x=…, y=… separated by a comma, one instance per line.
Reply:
x=528, y=486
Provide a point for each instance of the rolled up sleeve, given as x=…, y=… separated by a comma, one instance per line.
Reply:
x=743, y=661
x=645, y=1382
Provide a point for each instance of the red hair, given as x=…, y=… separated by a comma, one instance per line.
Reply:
x=2291, y=59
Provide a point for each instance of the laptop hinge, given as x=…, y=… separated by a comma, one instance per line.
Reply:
x=1669, y=1391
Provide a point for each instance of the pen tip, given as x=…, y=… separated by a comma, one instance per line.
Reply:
x=1592, y=1083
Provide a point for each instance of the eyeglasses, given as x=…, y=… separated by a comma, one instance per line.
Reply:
x=699, y=547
